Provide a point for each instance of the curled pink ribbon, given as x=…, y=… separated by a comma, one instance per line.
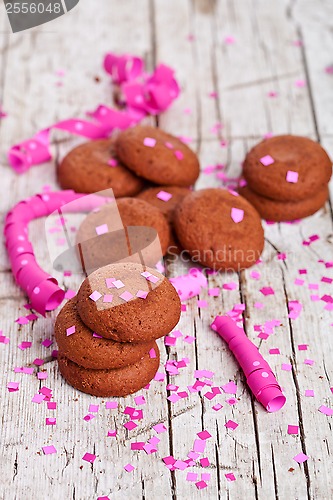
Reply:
x=42, y=289
x=143, y=94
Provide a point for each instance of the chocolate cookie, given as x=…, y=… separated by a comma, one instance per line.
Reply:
x=160, y=198
x=279, y=211
x=219, y=229
x=157, y=156
x=93, y=166
x=106, y=383
x=143, y=223
x=118, y=312
x=287, y=168
x=90, y=351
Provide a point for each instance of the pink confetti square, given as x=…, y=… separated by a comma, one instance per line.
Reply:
x=129, y=468
x=111, y=405
x=93, y=408
x=275, y=350
x=293, y=429
x=42, y=375
x=179, y=155
x=300, y=458
x=286, y=367
x=159, y=428
x=204, y=435
x=4, y=340
x=38, y=362
x=70, y=330
x=118, y=284
x=231, y=425
x=47, y=342
x=103, y=229
x=89, y=417
x=112, y=433
x=89, y=457
x=191, y=476
x=126, y=296
x=201, y=485
x=109, y=282
x=13, y=386
x=152, y=353
x=51, y=421
x=70, y=294
x=237, y=215
x=230, y=476
x=141, y=294
x=204, y=462
x=130, y=425
x=95, y=296
x=292, y=176
x=230, y=388
x=164, y=196
x=309, y=362
x=38, y=398
x=48, y=450
x=266, y=160
x=267, y=290
x=214, y=292
x=112, y=162
x=140, y=400
x=108, y=298
x=51, y=405
x=202, y=304
x=325, y=410
x=150, y=142
x=302, y=347
x=199, y=445
x=152, y=278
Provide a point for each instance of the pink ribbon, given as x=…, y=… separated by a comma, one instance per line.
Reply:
x=42, y=289
x=143, y=94
x=259, y=376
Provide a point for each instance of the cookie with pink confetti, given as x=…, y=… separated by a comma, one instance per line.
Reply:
x=102, y=244
x=287, y=168
x=145, y=306
x=157, y=156
x=89, y=350
x=93, y=166
x=279, y=211
x=219, y=229
x=107, y=383
x=166, y=199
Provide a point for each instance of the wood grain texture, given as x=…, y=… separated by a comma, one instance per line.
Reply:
x=191, y=37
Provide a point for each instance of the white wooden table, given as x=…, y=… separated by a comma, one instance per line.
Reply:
x=276, y=43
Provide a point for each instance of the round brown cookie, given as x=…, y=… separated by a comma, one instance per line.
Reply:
x=86, y=170
x=92, y=352
x=105, y=383
x=290, y=154
x=166, y=207
x=206, y=229
x=279, y=211
x=139, y=319
x=157, y=156
x=115, y=245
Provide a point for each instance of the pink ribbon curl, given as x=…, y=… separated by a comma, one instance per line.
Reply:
x=142, y=94
x=41, y=288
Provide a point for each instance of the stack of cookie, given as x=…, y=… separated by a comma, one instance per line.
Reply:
x=129, y=164
x=287, y=177
x=106, y=334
